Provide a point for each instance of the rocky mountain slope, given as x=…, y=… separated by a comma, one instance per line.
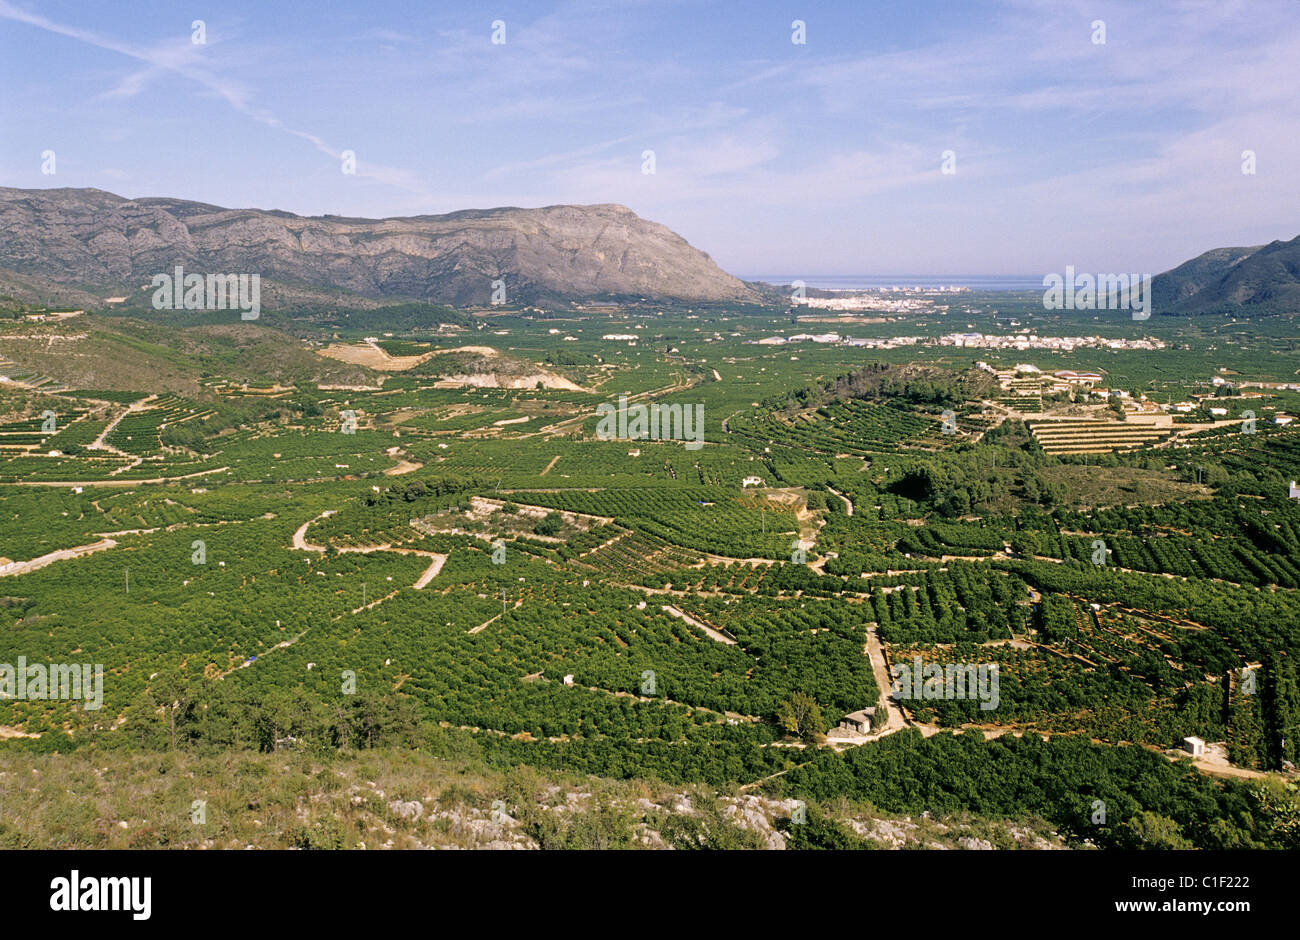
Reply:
x=95, y=240
x=1263, y=279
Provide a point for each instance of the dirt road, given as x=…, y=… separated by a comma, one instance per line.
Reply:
x=84, y=483
x=435, y=564
x=300, y=537
x=880, y=669
x=699, y=625
x=23, y=567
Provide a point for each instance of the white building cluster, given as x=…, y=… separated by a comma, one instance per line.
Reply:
x=897, y=299
x=1034, y=341
x=972, y=341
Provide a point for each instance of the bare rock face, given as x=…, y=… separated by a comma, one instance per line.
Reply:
x=558, y=253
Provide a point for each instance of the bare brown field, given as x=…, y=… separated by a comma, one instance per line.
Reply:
x=372, y=357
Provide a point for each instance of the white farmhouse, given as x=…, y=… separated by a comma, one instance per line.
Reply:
x=859, y=722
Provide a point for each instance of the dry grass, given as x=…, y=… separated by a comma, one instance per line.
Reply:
x=404, y=800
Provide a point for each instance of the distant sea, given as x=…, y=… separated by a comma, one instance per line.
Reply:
x=976, y=282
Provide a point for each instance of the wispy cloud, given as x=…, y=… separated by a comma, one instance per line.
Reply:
x=183, y=58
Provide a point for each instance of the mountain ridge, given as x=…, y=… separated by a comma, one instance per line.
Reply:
x=552, y=254
x=1262, y=278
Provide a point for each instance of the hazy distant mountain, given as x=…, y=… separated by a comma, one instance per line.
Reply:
x=1264, y=279
x=95, y=240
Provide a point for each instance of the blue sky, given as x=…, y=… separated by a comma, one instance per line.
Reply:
x=776, y=158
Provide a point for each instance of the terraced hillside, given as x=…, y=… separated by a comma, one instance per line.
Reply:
x=1097, y=436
